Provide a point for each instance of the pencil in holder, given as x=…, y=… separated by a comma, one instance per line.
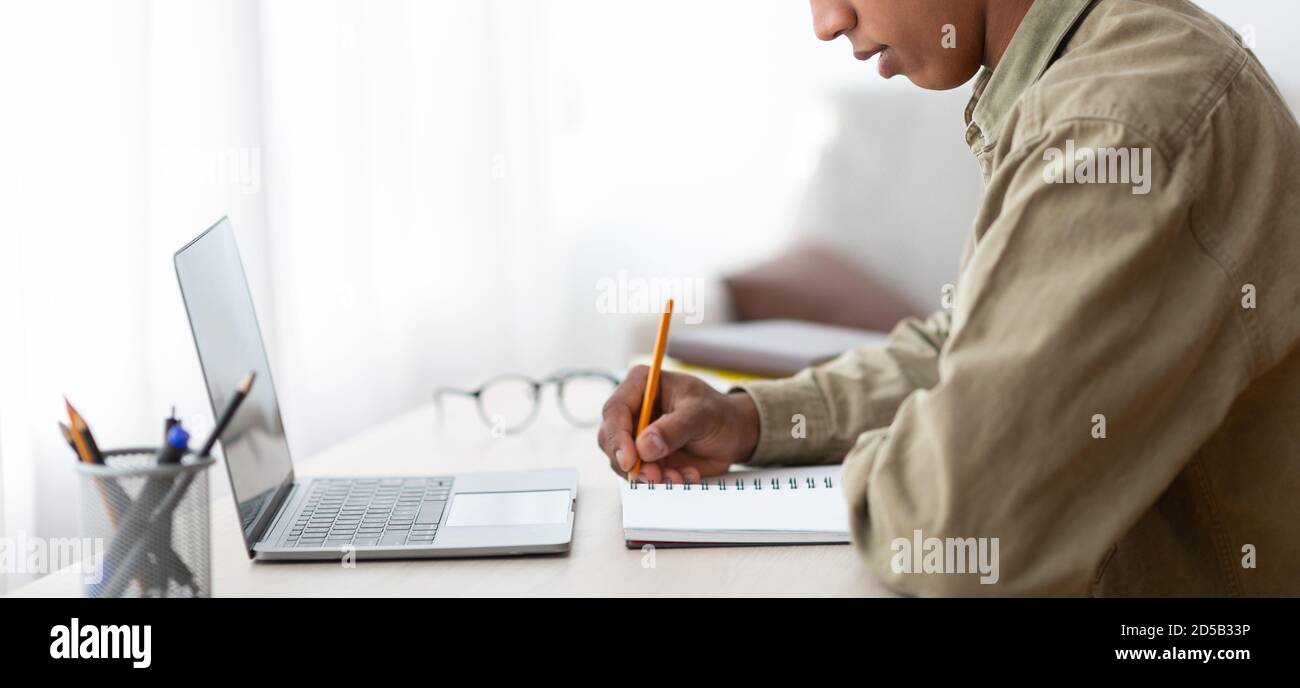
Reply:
x=150, y=524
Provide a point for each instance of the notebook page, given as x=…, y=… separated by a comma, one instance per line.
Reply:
x=819, y=509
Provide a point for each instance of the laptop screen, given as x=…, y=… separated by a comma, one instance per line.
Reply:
x=229, y=344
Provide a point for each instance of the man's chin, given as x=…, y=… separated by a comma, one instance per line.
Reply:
x=945, y=82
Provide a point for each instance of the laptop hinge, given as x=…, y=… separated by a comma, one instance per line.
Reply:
x=273, y=514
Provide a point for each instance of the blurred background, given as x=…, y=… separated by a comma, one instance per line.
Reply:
x=433, y=192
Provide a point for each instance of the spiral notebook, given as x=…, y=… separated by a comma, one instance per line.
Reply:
x=789, y=506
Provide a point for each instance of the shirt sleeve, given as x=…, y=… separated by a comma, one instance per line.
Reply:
x=816, y=416
x=1088, y=361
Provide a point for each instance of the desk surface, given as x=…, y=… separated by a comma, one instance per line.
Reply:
x=598, y=565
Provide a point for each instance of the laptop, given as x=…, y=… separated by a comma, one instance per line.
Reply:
x=284, y=517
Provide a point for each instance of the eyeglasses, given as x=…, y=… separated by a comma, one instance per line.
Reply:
x=509, y=404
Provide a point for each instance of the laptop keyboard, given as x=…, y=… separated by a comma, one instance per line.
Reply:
x=371, y=512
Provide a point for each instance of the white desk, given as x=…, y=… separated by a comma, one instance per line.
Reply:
x=598, y=565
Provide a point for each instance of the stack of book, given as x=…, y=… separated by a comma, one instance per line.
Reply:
x=740, y=352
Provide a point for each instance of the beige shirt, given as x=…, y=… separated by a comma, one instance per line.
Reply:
x=1115, y=394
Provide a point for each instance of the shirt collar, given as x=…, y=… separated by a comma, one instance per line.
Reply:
x=1037, y=40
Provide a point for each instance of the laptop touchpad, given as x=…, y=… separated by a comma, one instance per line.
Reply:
x=509, y=508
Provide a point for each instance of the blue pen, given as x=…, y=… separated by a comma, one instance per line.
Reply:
x=178, y=442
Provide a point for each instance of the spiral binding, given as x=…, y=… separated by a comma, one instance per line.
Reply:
x=739, y=484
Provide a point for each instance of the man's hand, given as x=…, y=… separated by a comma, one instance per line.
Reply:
x=700, y=433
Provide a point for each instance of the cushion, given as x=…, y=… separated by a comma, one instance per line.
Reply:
x=811, y=283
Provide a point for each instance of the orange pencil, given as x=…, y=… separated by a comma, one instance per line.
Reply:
x=652, y=383
x=80, y=434
x=84, y=444
x=67, y=435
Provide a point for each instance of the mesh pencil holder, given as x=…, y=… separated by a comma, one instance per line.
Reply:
x=148, y=525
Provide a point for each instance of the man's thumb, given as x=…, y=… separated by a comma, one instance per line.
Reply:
x=670, y=433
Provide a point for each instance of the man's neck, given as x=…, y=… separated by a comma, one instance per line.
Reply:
x=1001, y=19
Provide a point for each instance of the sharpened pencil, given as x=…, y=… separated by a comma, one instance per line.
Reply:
x=229, y=413
x=67, y=436
x=652, y=382
x=81, y=437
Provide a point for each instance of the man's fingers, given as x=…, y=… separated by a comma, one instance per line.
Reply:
x=627, y=396
x=672, y=432
x=615, y=437
x=672, y=475
x=618, y=470
x=651, y=473
x=625, y=454
x=686, y=465
x=691, y=475
x=685, y=420
x=676, y=469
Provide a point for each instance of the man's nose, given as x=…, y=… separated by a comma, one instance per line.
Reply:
x=832, y=18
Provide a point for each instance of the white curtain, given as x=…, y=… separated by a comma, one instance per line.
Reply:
x=120, y=125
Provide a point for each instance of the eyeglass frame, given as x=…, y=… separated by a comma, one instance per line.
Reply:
x=559, y=379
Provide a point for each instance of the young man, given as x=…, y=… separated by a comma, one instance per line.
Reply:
x=1115, y=394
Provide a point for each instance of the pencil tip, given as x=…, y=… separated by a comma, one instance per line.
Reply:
x=247, y=383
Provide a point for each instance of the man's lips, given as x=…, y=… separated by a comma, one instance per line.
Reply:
x=865, y=55
x=888, y=68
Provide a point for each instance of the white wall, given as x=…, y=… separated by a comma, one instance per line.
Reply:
x=1268, y=25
